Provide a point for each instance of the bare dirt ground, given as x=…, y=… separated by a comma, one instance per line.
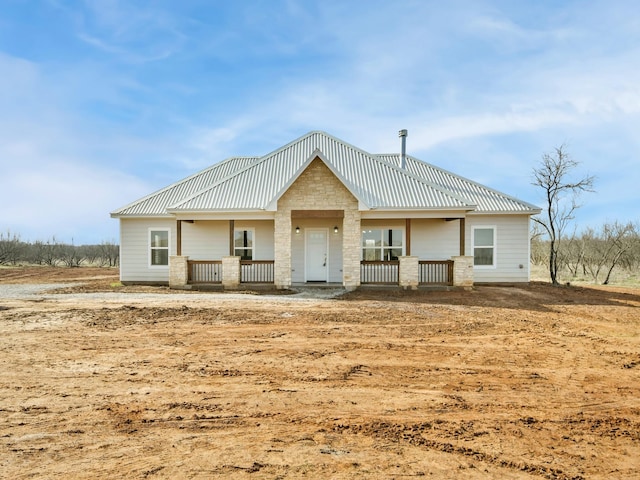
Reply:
x=140, y=382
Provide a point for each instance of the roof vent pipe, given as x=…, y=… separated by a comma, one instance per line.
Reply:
x=403, y=157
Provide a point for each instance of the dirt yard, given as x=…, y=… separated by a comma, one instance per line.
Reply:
x=105, y=381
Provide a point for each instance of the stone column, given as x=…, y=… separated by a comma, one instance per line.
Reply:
x=351, y=247
x=282, y=253
x=462, y=271
x=230, y=272
x=409, y=272
x=178, y=271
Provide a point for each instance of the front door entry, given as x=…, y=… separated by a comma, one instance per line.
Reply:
x=317, y=266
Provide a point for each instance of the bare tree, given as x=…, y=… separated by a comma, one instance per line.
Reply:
x=622, y=238
x=577, y=250
x=561, y=200
x=110, y=253
x=70, y=255
x=11, y=248
x=47, y=253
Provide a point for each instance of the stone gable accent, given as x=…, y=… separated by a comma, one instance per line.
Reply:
x=317, y=188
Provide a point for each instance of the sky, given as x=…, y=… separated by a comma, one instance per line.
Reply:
x=105, y=101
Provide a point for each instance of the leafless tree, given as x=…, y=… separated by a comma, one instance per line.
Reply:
x=561, y=200
x=110, y=253
x=46, y=253
x=11, y=248
x=70, y=255
x=620, y=239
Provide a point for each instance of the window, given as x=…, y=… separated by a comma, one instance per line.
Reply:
x=484, y=246
x=243, y=244
x=159, y=248
x=381, y=244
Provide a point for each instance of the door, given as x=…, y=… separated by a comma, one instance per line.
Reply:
x=317, y=261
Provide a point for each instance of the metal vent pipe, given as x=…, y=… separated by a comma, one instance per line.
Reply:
x=403, y=157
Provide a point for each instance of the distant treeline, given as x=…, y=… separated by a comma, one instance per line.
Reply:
x=594, y=254
x=14, y=251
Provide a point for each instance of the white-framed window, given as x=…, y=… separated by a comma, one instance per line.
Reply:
x=243, y=243
x=159, y=247
x=382, y=243
x=484, y=246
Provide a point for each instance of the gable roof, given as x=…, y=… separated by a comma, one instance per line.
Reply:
x=377, y=181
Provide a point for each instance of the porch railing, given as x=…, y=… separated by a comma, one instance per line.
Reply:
x=256, y=271
x=435, y=272
x=378, y=271
x=205, y=271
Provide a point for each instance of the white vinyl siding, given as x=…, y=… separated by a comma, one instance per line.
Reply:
x=435, y=239
x=511, y=247
x=205, y=239
x=135, y=250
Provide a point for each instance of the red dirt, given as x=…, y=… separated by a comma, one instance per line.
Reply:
x=496, y=382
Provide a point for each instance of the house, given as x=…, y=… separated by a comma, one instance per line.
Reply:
x=319, y=210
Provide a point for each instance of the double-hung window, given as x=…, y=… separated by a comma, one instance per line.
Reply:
x=484, y=246
x=243, y=244
x=382, y=244
x=159, y=247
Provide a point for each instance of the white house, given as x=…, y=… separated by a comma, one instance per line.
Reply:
x=321, y=210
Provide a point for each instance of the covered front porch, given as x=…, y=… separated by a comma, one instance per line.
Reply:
x=312, y=249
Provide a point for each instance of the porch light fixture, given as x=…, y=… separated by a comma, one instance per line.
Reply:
x=297, y=230
x=335, y=229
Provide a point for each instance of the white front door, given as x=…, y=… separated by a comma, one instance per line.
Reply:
x=317, y=262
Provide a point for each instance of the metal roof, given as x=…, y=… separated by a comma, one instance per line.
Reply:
x=486, y=199
x=156, y=203
x=377, y=181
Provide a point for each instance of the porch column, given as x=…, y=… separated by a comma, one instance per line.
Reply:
x=463, y=271
x=351, y=234
x=282, y=250
x=409, y=272
x=230, y=272
x=179, y=238
x=178, y=271
x=462, y=236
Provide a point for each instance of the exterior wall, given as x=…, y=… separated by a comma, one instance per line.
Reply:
x=209, y=239
x=511, y=248
x=317, y=188
x=435, y=239
x=205, y=240
x=134, y=249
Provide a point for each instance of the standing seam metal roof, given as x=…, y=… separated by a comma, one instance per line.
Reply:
x=379, y=184
x=254, y=183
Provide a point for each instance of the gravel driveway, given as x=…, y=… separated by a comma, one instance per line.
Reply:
x=32, y=291
x=29, y=289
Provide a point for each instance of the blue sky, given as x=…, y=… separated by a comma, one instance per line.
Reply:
x=105, y=101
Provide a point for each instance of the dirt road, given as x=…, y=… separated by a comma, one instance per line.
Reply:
x=497, y=382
